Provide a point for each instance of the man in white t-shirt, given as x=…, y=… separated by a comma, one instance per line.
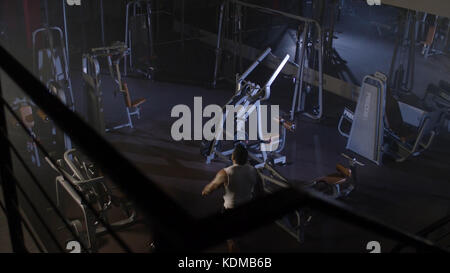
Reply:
x=241, y=183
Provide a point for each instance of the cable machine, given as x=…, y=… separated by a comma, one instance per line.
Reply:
x=401, y=72
x=308, y=52
x=139, y=38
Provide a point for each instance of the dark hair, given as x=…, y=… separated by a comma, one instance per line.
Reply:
x=240, y=154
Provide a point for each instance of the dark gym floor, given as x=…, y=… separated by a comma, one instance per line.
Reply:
x=408, y=195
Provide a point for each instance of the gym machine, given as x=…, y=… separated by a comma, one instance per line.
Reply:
x=327, y=14
x=438, y=96
x=339, y=184
x=336, y=186
x=382, y=124
x=308, y=53
x=83, y=182
x=139, y=38
x=24, y=109
x=309, y=50
x=91, y=75
x=437, y=38
x=401, y=72
x=249, y=96
x=293, y=223
x=367, y=122
x=50, y=65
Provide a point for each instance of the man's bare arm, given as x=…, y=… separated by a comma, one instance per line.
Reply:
x=220, y=179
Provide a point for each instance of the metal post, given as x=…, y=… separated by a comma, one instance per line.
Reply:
x=102, y=23
x=300, y=59
x=330, y=36
x=397, y=46
x=218, y=46
x=182, y=23
x=447, y=40
x=127, y=43
x=158, y=19
x=9, y=189
x=234, y=12
x=150, y=30
x=46, y=15
x=239, y=25
x=66, y=33
x=320, y=99
x=412, y=51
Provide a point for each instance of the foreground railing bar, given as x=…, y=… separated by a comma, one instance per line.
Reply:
x=126, y=176
x=42, y=190
x=276, y=205
x=9, y=191
x=429, y=229
x=35, y=210
x=27, y=227
x=81, y=195
x=426, y=231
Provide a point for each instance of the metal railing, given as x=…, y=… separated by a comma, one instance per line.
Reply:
x=173, y=228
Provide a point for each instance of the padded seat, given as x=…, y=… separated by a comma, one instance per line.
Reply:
x=127, y=96
x=138, y=102
x=336, y=178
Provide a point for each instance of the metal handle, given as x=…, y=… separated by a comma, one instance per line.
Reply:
x=353, y=160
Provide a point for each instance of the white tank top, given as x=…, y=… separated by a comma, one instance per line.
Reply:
x=241, y=180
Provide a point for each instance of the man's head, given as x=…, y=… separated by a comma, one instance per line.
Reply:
x=240, y=155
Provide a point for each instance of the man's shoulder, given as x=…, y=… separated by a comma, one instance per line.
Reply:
x=222, y=172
